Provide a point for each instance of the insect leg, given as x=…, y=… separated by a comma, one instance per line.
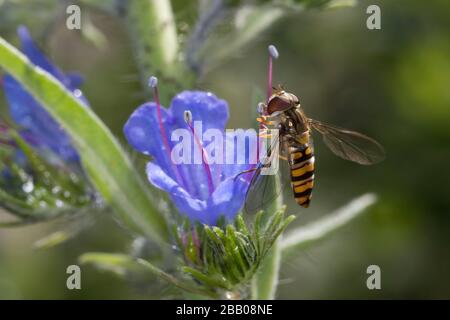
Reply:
x=246, y=171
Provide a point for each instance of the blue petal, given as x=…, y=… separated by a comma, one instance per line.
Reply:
x=195, y=209
x=213, y=114
x=250, y=152
x=71, y=81
x=36, y=121
x=227, y=199
x=186, y=182
x=35, y=55
x=204, y=106
x=75, y=80
x=143, y=133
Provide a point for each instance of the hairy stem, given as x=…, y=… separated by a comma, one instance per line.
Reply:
x=265, y=282
x=206, y=22
x=152, y=29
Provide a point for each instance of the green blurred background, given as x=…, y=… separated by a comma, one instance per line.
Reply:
x=392, y=84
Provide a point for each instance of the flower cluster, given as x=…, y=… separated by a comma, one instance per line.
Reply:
x=37, y=126
x=41, y=173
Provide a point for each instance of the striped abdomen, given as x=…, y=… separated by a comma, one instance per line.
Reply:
x=301, y=162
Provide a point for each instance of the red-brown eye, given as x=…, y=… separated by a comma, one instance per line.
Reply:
x=278, y=104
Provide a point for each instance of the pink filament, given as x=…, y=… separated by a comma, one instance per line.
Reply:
x=164, y=134
x=205, y=160
x=269, y=79
x=269, y=94
x=161, y=126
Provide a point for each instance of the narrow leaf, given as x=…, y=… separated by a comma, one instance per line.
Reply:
x=317, y=230
x=120, y=264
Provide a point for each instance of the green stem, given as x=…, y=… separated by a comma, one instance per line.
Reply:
x=265, y=282
x=153, y=32
x=260, y=18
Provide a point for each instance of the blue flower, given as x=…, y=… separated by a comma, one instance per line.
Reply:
x=38, y=127
x=201, y=193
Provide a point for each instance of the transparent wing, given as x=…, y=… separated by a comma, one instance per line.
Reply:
x=350, y=145
x=263, y=189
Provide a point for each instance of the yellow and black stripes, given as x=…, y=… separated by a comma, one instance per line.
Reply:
x=301, y=161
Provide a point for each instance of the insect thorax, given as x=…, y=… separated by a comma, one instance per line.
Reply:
x=292, y=123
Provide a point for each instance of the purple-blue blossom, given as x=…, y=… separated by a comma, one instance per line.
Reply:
x=201, y=192
x=37, y=126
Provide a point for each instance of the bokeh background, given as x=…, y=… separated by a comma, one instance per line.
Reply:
x=392, y=84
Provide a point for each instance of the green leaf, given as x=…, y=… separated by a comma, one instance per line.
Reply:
x=176, y=282
x=70, y=228
x=306, y=235
x=40, y=190
x=53, y=190
x=206, y=279
x=326, y=4
x=123, y=265
x=240, y=225
x=52, y=239
x=229, y=255
x=335, y=4
x=92, y=34
x=233, y=250
x=256, y=231
x=105, y=162
x=120, y=264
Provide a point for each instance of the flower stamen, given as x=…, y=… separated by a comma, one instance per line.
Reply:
x=273, y=54
x=153, y=83
x=205, y=161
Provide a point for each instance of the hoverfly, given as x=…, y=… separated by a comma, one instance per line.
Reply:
x=283, y=111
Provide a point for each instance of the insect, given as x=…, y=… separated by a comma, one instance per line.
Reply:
x=284, y=112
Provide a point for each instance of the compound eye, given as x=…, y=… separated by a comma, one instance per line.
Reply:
x=278, y=104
